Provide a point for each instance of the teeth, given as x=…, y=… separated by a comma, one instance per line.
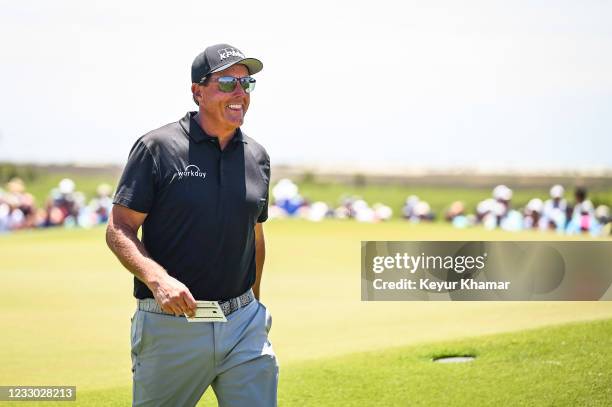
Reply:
x=235, y=107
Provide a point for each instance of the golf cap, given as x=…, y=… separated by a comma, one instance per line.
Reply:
x=219, y=57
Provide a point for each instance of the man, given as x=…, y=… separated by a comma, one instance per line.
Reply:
x=199, y=189
x=555, y=210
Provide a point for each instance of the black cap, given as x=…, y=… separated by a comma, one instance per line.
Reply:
x=219, y=57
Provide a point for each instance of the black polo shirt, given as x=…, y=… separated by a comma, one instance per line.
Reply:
x=202, y=204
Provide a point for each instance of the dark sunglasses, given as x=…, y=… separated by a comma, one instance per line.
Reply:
x=228, y=83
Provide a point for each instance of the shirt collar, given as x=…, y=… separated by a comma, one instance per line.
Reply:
x=197, y=134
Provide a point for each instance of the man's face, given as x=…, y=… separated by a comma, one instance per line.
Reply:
x=226, y=109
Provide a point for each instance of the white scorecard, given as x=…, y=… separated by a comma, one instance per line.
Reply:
x=208, y=311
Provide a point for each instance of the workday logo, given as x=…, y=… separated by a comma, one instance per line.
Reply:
x=229, y=52
x=191, y=171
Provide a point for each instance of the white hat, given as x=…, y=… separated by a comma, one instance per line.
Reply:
x=535, y=205
x=586, y=207
x=557, y=191
x=66, y=186
x=422, y=208
x=502, y=192
x=359, y=205
x=485, y=206
x=365, y=214
x=382, y=211
x=284, y=189
x=412, y=199
x=602, y=211
x=317, y=211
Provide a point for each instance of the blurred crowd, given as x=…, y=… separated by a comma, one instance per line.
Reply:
x=288, y=202
x=65, y=206
x=555, y=214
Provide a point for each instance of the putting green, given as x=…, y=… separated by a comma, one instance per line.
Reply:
x=66, y=302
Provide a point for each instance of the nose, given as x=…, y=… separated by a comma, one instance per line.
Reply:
x=238, y=90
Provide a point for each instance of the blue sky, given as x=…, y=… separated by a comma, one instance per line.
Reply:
x=523, y=84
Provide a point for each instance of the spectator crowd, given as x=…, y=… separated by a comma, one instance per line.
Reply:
x=555, y=214
x=65, y=206
x=68, y=207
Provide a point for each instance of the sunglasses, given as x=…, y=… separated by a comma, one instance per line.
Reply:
x=228, y=83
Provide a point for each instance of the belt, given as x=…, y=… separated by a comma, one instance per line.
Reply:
x=227, y=306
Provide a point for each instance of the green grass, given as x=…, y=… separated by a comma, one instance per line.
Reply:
x=566, y=365
x=66, y=305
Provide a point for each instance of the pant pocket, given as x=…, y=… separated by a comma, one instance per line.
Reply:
x=136, y=336
x=268, y=318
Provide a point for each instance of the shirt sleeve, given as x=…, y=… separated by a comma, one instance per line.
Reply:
x=263, y=215
x=137, y=185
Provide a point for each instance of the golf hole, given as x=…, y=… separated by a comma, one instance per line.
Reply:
x=454, y=359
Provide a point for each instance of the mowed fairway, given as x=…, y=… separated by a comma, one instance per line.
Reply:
x=66, y=305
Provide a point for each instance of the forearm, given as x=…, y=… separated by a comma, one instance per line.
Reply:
x=130, y=251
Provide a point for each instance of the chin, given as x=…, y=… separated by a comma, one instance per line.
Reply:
x=234, y=122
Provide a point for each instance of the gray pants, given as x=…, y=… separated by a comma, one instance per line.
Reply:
x=174, y=361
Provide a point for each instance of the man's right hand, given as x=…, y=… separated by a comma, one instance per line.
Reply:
x=173, y=296
x=122, y=238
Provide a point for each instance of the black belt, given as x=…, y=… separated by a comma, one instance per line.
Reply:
x=227, y=306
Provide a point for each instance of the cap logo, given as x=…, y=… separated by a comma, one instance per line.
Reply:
x=229, y=52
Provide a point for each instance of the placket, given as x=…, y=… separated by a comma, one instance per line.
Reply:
x=222, y=166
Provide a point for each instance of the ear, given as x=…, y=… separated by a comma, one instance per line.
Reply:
x=196, y=91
